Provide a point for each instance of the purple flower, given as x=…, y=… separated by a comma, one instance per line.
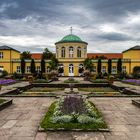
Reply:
x=133, y=81
x=6, y=81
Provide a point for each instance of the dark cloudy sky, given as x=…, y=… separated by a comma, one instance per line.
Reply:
x=107, y=25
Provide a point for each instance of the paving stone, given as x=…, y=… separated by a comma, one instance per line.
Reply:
x=21, y=138
x=21, y=120
x=59, y=136
x=88, y=136
x=9, y=124
x=41, y=136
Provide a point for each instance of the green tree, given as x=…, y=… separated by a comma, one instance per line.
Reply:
x=109, y=66
x=26, y=55
x=119, y=65
x=22, y=66
x=42, y=66
x=88, y=64
x=99, y=66
x=32, y=66
x=47, y=54
x=53, y=63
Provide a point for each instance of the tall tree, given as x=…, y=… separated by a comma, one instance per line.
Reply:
x=26, y=55
x=109, y=66
x=22, y=66
x=99, y=66
x=47, y=54
x=42, y=65
x=88, y=64
x=32, y=66
x=53, y=63
x=119, y=65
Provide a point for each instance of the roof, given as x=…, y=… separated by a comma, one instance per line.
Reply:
x=107, y=55
x=36, y=55
x=137, y=47
x=71, y=38
x=4, y=47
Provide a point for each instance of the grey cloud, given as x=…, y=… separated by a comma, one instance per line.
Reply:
x=114, y=37
x=51, y=19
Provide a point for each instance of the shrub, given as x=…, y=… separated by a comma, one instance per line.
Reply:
x=85, y=119
x=87, y=75
x=64, y=118
x=105, y=74
x=17, y=76
x=4, y=73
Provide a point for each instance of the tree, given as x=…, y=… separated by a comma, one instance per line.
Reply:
x=22, y=66
x=100, y=57
x=109, y=66
x=32, y=66
x=26, y=55
x=42, y=66
x=47, y=54
x=88, y=64
x=53, y=63
x=99, y=66
x=119, y=65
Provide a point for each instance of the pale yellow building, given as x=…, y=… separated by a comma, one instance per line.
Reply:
x=71, y=53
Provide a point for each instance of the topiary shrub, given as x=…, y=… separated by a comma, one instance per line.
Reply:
x=136, y=72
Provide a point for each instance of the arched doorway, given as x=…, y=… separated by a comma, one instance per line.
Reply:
x=81, y=69
x=71, y=70
x=61, y=70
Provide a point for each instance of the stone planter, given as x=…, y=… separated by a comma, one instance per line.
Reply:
x=5, y=104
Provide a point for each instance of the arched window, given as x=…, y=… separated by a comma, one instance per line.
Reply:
x=63, y=52
x=79, y=52
x=71, y=52
x=81, y=69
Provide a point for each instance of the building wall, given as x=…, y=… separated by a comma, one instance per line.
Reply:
x=132, y=54
x=75, y=46
x=11, y=59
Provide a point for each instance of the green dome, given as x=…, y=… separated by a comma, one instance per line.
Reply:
x=71, y=37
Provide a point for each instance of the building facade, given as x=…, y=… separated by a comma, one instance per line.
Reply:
x=71, y=53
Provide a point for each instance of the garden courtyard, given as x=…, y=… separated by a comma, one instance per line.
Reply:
x=22, y=119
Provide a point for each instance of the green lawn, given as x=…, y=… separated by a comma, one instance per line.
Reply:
x=39, y=94
x=97, y=89
x=44, y=89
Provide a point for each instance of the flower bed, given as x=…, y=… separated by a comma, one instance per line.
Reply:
x=97, y=89
x=7, y=81
x=44, y=89
x=71, y=80
x=99, y=81
x=132, y=81
x=72, y=113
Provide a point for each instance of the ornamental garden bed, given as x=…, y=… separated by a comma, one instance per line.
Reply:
x=73, y=113
x=97, y=89
x=71, y=80
x=5, y=103
x=44, y=89
x=99, y=81
x=42, y=81
x=132, y=81
x=4, y=82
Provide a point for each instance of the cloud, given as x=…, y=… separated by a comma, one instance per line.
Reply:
x=107, y=26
